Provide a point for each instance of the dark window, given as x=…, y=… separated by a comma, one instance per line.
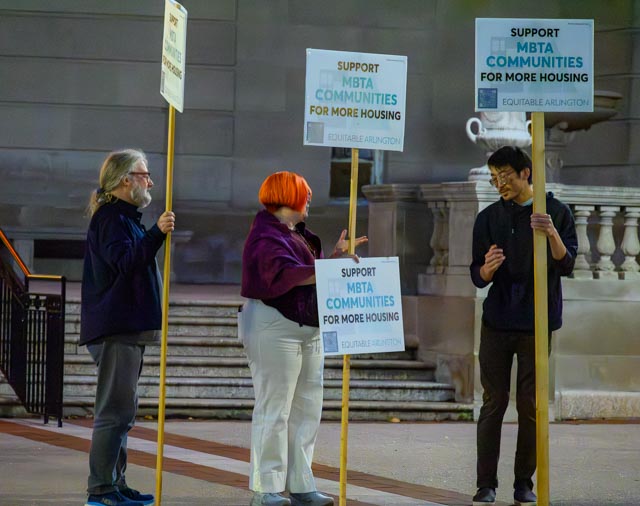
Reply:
x=341, y=171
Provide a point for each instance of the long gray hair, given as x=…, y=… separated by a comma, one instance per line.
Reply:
x=114, y=169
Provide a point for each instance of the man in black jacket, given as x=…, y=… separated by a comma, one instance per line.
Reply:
x=120, y=314
x=503, y=256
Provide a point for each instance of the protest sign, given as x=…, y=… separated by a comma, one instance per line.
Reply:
x=174, y=47
x=530, y=65
x=360, y=305
x=355, y=100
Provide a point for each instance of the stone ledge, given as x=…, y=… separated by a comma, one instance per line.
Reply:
x=594, y=404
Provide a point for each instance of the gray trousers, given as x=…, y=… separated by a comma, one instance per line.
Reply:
x=119, y=366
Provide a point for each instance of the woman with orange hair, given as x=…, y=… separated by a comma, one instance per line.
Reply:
x=279, y=328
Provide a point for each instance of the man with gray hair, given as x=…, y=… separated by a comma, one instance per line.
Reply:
x=120, y=314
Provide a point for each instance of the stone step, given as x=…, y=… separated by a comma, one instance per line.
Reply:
x=215, y=346
x=204, y=346
x=208, y=375
x=215, y=369
x=199, y=347
x=232, y=367
x=10, y=405
x=178, y=309
x=238, y=367
x=242, y=388
x=74, y=320
x=408, y=354
x=241, y=409
x=183, y=326
x=378, y=363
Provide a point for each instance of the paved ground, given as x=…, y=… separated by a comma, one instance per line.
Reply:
x=206, y=462
x=389, y=464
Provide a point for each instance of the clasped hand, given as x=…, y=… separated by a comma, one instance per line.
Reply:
x=167, y=222
x=543, y=222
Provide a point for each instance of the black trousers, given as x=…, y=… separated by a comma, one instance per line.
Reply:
x=497, y=348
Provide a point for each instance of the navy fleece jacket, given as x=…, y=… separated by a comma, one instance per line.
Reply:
x=509, y=304
x=120, y=281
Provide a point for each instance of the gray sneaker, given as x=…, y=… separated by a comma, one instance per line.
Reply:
x=269, y=499
x=310, y=499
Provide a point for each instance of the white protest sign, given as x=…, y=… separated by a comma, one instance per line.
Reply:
x=174, y=47
x=360, y=305
x=355, y=100
x=535, y=65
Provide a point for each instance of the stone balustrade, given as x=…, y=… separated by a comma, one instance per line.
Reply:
x=595, y=355
x=606, y=223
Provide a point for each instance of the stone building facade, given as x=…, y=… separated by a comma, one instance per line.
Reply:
x=78, y=79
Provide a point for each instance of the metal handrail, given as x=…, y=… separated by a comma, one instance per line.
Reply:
x=32, y=315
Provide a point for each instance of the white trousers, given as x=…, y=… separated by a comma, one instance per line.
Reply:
x=286, y=363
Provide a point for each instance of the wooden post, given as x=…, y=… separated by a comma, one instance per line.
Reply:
x=346, y=371
x=165, y=310
x=541, y=311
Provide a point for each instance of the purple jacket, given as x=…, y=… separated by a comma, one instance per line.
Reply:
x=274, y=261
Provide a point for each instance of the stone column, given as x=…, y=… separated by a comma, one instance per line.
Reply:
x=439, y=238
x=397, y=227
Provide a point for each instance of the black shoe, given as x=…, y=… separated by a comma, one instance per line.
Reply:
x=524, y=496
x=134, y=495
x=484, y=496
x=114, y=498
x=310, y=499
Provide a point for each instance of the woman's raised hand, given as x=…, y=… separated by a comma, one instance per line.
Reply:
x=341, y=248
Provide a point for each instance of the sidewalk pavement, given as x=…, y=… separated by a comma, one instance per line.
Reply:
x=402, y=464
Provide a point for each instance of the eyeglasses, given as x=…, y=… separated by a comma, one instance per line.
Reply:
x=145, y=175
x=501, y=178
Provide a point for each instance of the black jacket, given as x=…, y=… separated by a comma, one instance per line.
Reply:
x=510, y=302
x=120, y=281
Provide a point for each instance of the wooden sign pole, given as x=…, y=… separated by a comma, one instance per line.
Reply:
x=165, y=310
x=541, y=311
x=346, y=371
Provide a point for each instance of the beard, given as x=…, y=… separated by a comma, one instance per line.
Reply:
x=140, y=196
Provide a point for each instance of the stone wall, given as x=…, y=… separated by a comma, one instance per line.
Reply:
x=82, y=78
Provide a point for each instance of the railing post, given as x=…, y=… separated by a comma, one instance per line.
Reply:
x=17, y=366
x=444, y=236
x=582, y=269
x=630, y=243
x=606, y=244
x=439, y=241
x=53, y=401
x=5, y=324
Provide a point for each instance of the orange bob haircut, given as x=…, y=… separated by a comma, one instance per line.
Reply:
x=284, y=189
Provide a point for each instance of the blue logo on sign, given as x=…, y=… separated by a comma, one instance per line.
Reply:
x=330, y=341
x=487, y=98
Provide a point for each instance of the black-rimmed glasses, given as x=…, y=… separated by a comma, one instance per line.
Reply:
x=501, y=178
x=145, y=175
